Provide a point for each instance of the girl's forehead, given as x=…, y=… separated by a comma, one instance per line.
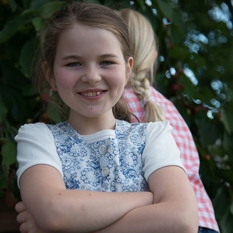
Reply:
x=90, y=28
x=81, y=30
x=85, y=39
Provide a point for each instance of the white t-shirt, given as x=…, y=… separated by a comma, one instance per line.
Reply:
x=109, y=160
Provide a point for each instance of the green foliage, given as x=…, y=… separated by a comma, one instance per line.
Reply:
x=194, y=71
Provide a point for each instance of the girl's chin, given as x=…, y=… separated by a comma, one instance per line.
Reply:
x=91, y=112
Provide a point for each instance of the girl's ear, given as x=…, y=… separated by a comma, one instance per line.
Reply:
x=49, y=76
x=129, y=67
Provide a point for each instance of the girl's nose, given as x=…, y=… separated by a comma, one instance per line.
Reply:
x=91, y=75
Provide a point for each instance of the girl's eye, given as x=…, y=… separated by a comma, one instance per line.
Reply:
x=106, y=63
x=74, y=64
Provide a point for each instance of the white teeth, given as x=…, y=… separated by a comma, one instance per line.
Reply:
x=90, y=94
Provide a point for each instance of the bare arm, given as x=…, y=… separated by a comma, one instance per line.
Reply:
x=174, y=209
x=56, y=209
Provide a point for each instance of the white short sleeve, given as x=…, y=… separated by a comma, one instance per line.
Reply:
x=161, y=149
x=36, y=146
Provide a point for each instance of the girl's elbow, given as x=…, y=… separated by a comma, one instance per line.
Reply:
x=59, y=218
x=189, y=226
x=189, y=221
x=50, y=223
x=52, y=219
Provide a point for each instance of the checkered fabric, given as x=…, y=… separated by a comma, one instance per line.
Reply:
x=185, y=143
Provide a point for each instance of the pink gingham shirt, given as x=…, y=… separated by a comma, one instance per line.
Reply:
x=185, y=143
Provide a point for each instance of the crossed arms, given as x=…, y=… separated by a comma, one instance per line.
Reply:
x=49, y=207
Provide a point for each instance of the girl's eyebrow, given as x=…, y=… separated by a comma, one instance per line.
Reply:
x=110, y=55
x=71, y=57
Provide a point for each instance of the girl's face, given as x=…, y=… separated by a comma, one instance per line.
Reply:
x=90, y=72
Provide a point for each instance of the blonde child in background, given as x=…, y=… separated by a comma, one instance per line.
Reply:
x=149, y=105
x=97, y=172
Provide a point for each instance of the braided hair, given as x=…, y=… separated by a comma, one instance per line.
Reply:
x=143, y=41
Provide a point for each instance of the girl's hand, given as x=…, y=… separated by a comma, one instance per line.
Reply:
x=26, y=221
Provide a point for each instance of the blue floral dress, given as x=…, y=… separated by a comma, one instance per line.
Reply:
x=119, y=160
x=105, y=161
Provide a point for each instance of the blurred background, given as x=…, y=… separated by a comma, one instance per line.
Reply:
x=194, y=70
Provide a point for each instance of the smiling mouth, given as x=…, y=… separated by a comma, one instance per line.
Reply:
x=91, y=94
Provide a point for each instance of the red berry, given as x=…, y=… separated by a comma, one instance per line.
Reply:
x=175, y=88
x=207, y=157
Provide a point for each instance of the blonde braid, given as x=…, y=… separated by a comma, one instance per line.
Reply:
x=142, y=38
x=141, y=87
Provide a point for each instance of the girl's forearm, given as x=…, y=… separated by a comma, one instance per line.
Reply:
x=56, y=209
x=99, y=210
x=85, y=211
x=156, y=218
x=95, y=210
x=174, y=207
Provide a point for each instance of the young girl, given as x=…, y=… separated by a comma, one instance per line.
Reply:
x=96, y=173
x=142, y=100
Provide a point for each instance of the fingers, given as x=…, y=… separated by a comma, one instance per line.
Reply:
x=20, y=207
x=24, y=224
x=26, y=221
x=23, y=228
x=22, y=217
x=29, y=226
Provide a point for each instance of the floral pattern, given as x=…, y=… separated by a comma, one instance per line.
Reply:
x=111, y=164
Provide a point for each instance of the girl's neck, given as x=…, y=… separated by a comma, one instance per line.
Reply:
x=85, y=126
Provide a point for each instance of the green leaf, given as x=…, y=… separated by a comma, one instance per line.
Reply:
x=206, y=171
x=189, y=87
x=48, y=9
x=208, y=131
x=226, y=222
x=29, y=91
x=9, y=131
x=227, y=143
x=38, y=23
x=20, y=107
x=181, y=109
x=12, y=5
x=54, y=114
x=9, y=152
x=179, y=52
x=30, y=13
x=165, y=8
x=199, y=59
x=226, y=117
x=151, y=17
x=231, y=207
x=142, y=5
x=3, y=182
x=93, y=1
x=26, y=56
x=177, y=34
x=3, y=109
x=12, y=76
x=11, y=28
x=226, y=175
x=108, y=3
x=26, y=3
x=35, y=4
x=220, y=202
